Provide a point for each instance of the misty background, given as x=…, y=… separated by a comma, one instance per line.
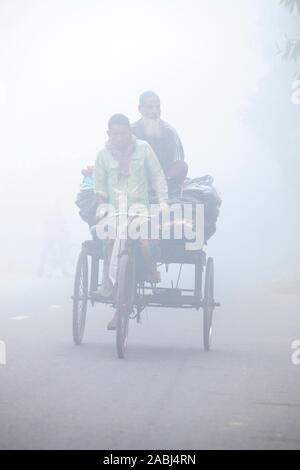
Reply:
x=67, y=66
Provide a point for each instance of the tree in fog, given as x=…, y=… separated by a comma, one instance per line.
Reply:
x=291, y=49
x=272, y=112
x=274, y=116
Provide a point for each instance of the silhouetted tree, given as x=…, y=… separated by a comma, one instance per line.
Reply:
x=292, y=46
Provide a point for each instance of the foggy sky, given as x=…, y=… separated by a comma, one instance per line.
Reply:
x=66, y=66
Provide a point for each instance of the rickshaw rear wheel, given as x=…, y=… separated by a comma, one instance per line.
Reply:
x=80, y=298
x=208, y=304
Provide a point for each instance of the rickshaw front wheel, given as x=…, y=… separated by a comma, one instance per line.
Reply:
x=208, y=304
x=80, y=298
x=124, y=304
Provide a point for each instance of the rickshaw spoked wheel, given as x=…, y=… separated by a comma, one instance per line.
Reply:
x=208, y=304
x=125, y=298
x=80, y=298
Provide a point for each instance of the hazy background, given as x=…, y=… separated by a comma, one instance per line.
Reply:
x=67, y=66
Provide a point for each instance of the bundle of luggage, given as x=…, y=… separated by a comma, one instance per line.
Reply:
x=194, y=191
x=86, y=198
x=201, y=191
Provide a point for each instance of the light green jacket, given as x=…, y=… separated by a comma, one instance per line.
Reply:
x=145, y=172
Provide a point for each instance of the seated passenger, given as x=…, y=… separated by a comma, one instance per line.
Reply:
x=163, y=139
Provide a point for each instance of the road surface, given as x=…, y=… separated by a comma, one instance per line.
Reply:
x=167, y=393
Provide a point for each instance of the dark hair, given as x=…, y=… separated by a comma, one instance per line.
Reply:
x=147, y=94
x=118, y=120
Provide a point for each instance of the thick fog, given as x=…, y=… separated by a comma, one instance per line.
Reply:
x=66, y=66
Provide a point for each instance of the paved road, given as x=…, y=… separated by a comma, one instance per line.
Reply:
x=167, y=393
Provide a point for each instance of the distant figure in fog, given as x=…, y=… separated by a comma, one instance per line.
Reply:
x=163, y=139
x=56, y=250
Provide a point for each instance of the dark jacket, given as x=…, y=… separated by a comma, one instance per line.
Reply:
x=168, y=147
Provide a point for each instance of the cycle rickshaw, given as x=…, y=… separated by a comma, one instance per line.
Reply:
x=132, y=294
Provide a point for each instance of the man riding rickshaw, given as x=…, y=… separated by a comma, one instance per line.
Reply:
x=144, y=163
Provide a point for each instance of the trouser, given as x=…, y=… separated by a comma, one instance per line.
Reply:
x=147, y=248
